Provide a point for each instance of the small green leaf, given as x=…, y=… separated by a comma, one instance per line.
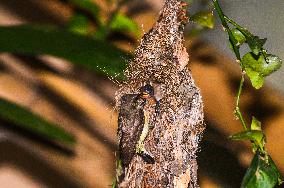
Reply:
x=31, y=122
x=255, y=136
x=238, y=36
x=93, y=54
x=252, y=135
x=122, y=23
x=256, y=78
x=273, y=63
x=78, y=24
x=258, y=144
x=255, y=124
x=255, y=43
x=257, y=67
x=204, y=18
x=261, y=173
x=253, y=67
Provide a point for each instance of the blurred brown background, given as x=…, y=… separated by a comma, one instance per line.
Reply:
x=82, y=102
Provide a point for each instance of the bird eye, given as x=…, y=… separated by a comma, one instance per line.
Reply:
x=147, y=89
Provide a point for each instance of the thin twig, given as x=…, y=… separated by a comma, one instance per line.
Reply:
x=237, y=110
x=228, y=30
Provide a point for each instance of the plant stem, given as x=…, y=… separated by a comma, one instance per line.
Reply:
x=228, y=30
x=233, y=41
x=233, y=22
x=240, y=28
x=237, y=110
x=240, y=90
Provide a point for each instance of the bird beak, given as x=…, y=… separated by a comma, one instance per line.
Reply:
x=145, y=95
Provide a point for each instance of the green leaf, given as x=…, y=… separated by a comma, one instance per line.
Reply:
x=253, y=135
x=258, y=144
x=273, y=63
x=89, y=6
x=204, y=18
x=29, y=121
x=240, y=38
x=81, y=50
x=78, y=24
x=255, y=124
x=261, y=173
x=124, y=24
x=256, y=78
x=255, y=43
x=257, y=67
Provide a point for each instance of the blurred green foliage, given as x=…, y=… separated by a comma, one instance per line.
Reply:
x=77, y=43
x=93, y=54
x=89, y=6
x=123, y=23
x=24, y=118
x=204, y=18
x=78, y=24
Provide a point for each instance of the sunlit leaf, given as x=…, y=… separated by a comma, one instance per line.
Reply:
x=204, y=18
x=78, y=24
x=31, y=122
x=93, y=54
x=123, y=23
x=240, y=38
x=257, y=67
x=255, y=43
x=256, y=78
x=255, y=124
x=258, y=144
x=273, y=63
x=253, y=135
x=261, y=173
